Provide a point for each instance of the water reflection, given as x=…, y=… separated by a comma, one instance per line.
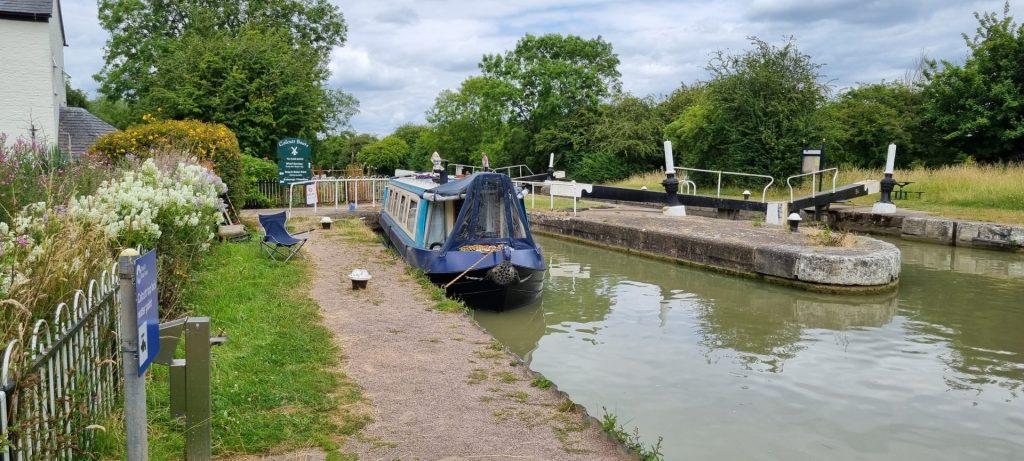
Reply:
x=706, y=359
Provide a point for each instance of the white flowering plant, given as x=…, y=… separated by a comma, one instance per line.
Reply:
x=173, y=206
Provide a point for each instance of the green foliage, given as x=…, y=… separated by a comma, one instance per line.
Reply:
x=255, y=170
x=629, y=128
x=610, y=424
x=978, y=109
x=386, y=155
x=355, y=145
x=541, y=383
x=329, y=152
x=418, y=158
x=253, y=81
x=599, y=167
x=548, y=77
x=862, y=121
x=115, y=112
x=76, y=97
x=143, y=30
x=759, y=111
x=209, y=142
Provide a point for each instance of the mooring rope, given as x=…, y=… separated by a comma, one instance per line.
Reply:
x=485, y=249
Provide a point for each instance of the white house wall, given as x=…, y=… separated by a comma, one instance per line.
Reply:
x=60, y=96
x=27, y=89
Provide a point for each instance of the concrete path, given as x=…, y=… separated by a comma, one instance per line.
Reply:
x=438, y=386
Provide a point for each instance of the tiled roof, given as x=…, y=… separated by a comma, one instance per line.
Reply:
x=79, y=129
x=37, y=9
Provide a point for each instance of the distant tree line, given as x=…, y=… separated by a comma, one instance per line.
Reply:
x=755, y=113
x=261, y=68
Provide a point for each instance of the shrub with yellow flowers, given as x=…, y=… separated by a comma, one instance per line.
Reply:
x=208, y=142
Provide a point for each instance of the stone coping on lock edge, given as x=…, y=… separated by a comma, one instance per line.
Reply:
x=773, y=253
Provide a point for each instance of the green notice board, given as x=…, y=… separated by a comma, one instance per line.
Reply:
x=294, y=160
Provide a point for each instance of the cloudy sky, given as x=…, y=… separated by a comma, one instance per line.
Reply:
x=400, y=54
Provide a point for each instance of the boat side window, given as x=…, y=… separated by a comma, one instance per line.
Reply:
x=410, y=216
x=399, y=215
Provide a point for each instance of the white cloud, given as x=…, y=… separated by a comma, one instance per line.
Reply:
x=401, y=54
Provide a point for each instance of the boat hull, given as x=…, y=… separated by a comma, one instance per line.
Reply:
x=479, y=292
x=474, y=288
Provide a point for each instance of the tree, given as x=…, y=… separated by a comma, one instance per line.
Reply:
x=419, y=155
x=978, y=109
x=354, y=146
x=629, y=128
x=759, y=111
x=329, y=152
x=115, y=112
x=142, y=30
x=253, y=81
x=544, y=79
x=862, y=121
x=465, y=120
x=76, y=97
x=386, y=155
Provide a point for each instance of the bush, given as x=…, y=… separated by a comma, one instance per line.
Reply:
x=384, y=156
x=256, y=170
x=211, y=142
x=600, y=167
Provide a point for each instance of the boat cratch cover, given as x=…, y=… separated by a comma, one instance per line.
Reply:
x=491, y=213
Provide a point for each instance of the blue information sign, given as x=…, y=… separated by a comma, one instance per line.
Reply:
x=146, y=309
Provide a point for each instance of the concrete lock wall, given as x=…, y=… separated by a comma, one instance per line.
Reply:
x=872, y=265
x=932, y=229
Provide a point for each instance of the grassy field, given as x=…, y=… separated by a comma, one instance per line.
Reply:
x=275, y=384
x=992, y=193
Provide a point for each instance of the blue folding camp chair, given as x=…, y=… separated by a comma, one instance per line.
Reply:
x=277, y=242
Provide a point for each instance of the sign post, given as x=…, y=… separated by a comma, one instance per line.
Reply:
x=140, y=332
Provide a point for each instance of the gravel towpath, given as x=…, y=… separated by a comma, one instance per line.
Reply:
x=439, y=388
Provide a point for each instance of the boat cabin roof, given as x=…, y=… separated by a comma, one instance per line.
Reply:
x=415, y=184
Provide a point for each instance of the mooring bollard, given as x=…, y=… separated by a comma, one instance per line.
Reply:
x=794, y=222
x=190, y=380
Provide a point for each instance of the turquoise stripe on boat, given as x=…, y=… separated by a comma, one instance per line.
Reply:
x=421, y=223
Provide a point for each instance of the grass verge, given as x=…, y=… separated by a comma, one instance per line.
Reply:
x=275, y=382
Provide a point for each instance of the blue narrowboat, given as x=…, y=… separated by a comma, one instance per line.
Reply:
x=470, y=236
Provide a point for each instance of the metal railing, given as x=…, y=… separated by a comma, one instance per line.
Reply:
x=519, y=169
x=65, y=381
x=341, y=190
x=574, y=191
x=764, y=192
x=813, y=174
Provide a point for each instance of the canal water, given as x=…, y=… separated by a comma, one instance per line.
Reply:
x=727, y=368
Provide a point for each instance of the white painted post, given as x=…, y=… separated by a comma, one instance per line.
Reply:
x=134, y=385
x=574, y=197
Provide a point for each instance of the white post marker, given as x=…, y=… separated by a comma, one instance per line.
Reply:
x=670, y=171
x=551, y=160
x=670, y=166
x=890, y=159
x=884, y=205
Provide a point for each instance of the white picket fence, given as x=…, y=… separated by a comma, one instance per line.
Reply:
x=57, y=386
